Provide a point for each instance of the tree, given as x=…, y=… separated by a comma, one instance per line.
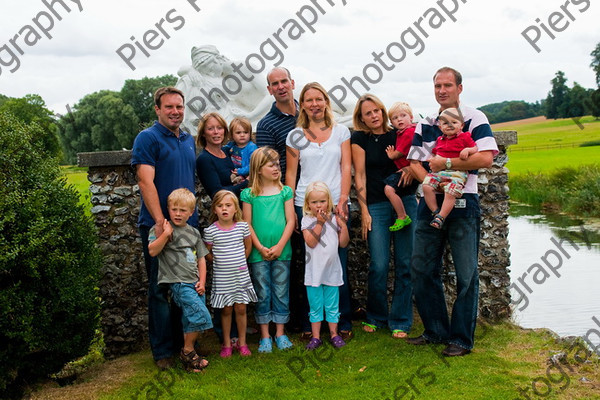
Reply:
x=32, y=109
x=557, y=100
x=101, y=121
x=596, y=63
x=139, y=94
x=578, y=101
x=49, y=262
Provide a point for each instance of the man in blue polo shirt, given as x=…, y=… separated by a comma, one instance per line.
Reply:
x=165, y=159
x=461, y=228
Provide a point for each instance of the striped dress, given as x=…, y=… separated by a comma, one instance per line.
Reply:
x=231, y=280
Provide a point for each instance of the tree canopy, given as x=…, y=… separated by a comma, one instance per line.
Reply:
x=109, y=120
x=31, y=109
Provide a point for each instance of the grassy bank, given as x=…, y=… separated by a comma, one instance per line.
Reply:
x=506, y=361
x=556, y=164
x=574, y=190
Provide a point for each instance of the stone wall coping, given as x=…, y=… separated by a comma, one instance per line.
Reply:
x=123, y=157
x=104, y=158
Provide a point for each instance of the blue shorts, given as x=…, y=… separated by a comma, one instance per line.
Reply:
x=401, y=191
x=195, y=316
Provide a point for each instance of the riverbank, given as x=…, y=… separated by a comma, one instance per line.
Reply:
x=574, y=190
x=508, y=362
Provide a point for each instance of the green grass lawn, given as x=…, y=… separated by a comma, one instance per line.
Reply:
x=506, y=359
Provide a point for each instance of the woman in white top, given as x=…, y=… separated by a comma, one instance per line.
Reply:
x=322, y=151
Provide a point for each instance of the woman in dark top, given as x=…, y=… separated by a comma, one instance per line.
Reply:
x=371, y=165
x=213, y=166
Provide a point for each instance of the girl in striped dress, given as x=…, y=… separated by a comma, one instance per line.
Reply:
x=229, y=242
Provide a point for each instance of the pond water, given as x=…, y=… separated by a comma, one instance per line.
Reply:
x=555, y=272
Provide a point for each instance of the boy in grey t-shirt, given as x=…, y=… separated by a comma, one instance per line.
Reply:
x=181, y=265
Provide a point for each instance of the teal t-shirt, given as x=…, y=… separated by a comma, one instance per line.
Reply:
x=268, y=220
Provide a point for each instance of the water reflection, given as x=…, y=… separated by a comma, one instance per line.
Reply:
x=555, y=268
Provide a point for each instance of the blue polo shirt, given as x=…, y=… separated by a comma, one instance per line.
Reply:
x=174, y=162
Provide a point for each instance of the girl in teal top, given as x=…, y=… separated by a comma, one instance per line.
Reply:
x=269, y=210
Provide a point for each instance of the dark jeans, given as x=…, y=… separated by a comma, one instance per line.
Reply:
x=461, y=231
x=400, y=314
x=164, y=317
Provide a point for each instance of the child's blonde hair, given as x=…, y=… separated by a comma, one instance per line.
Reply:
x=243, y=123
x=182, y=197
x=219, y=196
x=259, y=159
x=316, y=186
x=400, y=106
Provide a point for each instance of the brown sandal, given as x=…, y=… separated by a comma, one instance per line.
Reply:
x=192, y=362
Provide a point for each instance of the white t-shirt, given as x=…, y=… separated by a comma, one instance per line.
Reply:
x=323, y=266
x=319, y=162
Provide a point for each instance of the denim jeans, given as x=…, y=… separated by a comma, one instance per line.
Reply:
x=164, y=318
x=399, y=315
x=345, y=323
x=461, y=232
x=271, y=281
x=196, y=317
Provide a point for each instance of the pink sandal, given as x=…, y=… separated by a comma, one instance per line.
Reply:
x=244, y=351
x=226, y=352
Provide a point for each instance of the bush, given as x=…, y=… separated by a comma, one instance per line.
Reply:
x=49, y=262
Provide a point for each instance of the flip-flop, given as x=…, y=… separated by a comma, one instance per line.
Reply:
x=399, y=334
x=373, y=327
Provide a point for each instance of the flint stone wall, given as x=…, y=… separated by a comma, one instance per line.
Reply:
x=115, y=199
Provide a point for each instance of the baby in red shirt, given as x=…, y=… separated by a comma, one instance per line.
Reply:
x=453, y=143
x=400, y=183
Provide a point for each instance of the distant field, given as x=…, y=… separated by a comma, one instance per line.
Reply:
x=545, y=145
x=77, y=177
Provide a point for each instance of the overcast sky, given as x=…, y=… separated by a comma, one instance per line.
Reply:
x=485, y=43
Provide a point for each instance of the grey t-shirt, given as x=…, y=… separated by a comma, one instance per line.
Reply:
x=178, y=261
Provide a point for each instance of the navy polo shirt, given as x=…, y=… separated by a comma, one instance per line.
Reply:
x=174, y=162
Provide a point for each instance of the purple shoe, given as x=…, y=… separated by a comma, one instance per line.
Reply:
x=313, y=344
x=337, y=342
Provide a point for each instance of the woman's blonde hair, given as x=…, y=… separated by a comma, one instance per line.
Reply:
x=200, y=139
x=303, y=116
x=316, y=186
x=219, y=196
x=259, y=158
x=357, y=121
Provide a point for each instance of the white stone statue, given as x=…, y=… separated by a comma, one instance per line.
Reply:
x=209, y=71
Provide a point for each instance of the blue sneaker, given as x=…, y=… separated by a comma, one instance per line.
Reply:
x=283, y=342
x=265, y=345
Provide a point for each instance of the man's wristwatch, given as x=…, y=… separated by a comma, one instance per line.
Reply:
x=448, y=163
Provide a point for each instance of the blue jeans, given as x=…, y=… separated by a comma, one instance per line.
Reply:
x=461, y=232
x=164, y=319
x=345, y=323
x=271, y=281
x=196, y=317
x=399, y=315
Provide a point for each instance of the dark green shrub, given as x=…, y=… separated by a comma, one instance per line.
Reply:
x=49, y=262
x=590, y=143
